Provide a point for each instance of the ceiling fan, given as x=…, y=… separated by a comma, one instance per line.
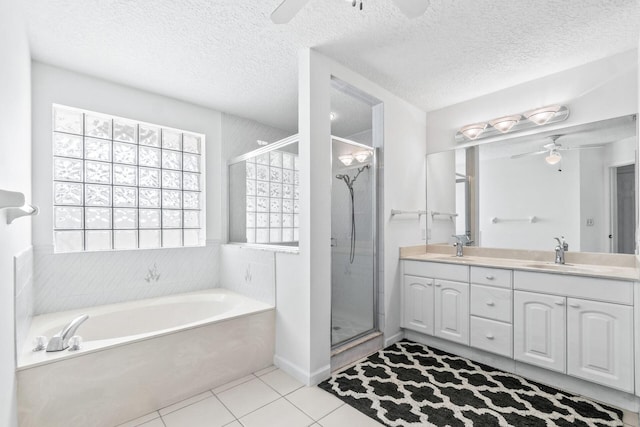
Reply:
x=289, y=8
x=553, y=150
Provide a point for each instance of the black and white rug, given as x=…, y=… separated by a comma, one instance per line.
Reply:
x=410, y=384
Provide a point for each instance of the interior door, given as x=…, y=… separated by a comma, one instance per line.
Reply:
x=626, y=209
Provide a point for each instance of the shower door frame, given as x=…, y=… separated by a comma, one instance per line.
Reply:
x=374, y=235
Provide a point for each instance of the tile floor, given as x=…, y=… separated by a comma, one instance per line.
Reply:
x=267, y=398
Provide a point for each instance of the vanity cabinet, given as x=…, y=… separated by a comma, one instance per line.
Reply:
x=581, y=326
x=539, y=330
x=435, y=300
x=600, y=342
x=418, y=304
x=451, y=310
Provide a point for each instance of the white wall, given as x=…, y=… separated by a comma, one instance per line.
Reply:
x=107, y=277
x=15, y=174
x=304, y=299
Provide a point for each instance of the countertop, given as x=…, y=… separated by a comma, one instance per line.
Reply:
x=610, y=266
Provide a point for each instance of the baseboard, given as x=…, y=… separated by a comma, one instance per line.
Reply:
x=393, y=338
x=307, y=378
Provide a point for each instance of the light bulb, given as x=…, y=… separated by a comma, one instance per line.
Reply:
x=542, y=115
x=362, y=156
x=346, y=159
x=332, y=116
x=473, y=131
x=553, y=157
x=504, y=124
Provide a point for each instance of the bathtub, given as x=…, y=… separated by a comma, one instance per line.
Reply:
x=140, y=356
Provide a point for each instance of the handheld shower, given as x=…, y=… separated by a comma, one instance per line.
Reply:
x=350, y=181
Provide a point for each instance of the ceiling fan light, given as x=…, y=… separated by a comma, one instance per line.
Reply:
x=346, y=159
x=553, y=158
x=362, y=156
x=542, y=115
x=504, y=124
x=473, y=131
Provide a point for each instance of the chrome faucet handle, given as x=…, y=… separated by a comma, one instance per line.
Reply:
x=562, y=243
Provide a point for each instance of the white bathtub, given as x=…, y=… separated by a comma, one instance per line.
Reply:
x=141, y=356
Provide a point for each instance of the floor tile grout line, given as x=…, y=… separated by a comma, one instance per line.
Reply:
x=308, y=415
x=186, y=406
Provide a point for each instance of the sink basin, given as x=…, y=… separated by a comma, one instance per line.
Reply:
x=562, y=267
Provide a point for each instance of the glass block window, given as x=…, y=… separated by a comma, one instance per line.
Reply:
x=124, y=184
x=272, y=198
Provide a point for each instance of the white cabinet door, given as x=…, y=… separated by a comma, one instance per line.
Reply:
x=452, y=310
x=600, y=342
x=417, y=304
x=539, y=329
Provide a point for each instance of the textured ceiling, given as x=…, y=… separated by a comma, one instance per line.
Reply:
x=227, y=55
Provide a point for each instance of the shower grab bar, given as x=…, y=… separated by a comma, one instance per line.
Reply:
x=395, y=212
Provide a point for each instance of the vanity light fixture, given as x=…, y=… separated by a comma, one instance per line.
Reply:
x=553, y=158
x=542, y=115
x=513, y=123
x=473, y=131
x=346, y=159
x=504, y=124
x=362, y=156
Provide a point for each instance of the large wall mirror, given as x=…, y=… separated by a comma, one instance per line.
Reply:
x=520, y=193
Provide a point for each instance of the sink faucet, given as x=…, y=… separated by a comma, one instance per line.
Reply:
x=561, y=249
x=461, y=241
x=60, y=341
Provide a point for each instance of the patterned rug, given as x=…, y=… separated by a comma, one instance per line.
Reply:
x=409, y=384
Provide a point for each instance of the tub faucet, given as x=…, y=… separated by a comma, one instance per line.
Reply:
x=60, y=341
x=561, y=248
x=461, y=241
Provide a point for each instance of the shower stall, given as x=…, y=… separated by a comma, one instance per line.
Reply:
x=353, y=241
x=356, y=147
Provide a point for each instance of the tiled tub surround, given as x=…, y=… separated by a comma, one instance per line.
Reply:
x=574, y=326
x=126, y=369
x=23, y=293
x=75, y=280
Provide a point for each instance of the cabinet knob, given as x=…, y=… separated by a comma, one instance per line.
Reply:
x=438, y=284
x=490, y=303
x=559, y=302
x=490, y=277
x=574, y=305
x=490, y=336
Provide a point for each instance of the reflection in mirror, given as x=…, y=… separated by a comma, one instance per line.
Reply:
x=577, y=182
x=264, y=194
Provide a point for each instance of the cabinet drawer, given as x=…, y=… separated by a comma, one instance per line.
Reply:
x=593, y=288
x=492, y=303
x=492, y=336
x=491, y=276
x=436, y=270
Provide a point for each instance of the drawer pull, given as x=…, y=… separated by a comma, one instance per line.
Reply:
x=574, y=305
x=490, y=303
x=559, y=302
x=490, y=336
x=438, y=284
x=490, y=277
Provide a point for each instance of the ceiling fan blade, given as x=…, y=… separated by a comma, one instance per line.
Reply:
x=412, y=8
x=581, y=147
x=533, y=153
x=287, y=10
